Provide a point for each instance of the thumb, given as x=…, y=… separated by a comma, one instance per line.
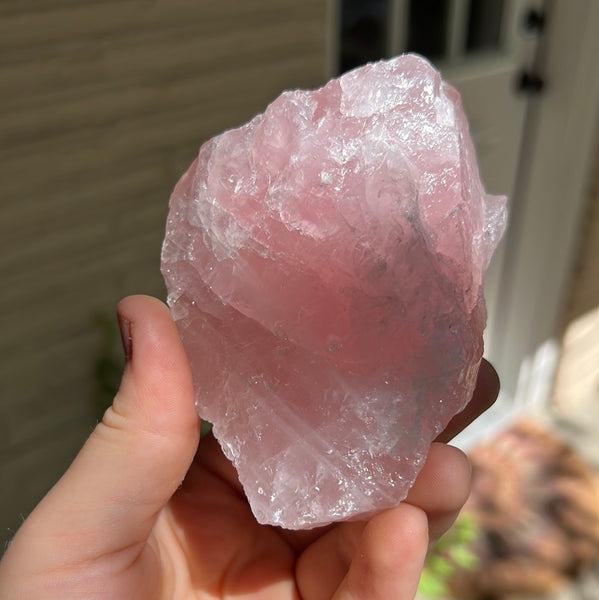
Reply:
x=110, y=497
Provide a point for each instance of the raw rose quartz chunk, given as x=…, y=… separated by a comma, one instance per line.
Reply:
x=324, y=264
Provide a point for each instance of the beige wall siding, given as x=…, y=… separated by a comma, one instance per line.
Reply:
x=103, y=104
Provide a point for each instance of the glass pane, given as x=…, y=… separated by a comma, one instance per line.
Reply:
x=427, y=30
x=363, y=32
x=484, y=25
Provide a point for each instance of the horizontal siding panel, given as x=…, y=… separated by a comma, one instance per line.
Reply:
x=118, y=108
x=104, y=104
x=154, y=63
x=106, y=21
x=114, y=129
x=26, y=420
x=9, y=8
x=24, y=479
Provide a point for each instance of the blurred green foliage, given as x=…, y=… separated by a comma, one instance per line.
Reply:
x=453, y=551
x=109, y=362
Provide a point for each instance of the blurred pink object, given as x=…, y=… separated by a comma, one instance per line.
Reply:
x=324, y=264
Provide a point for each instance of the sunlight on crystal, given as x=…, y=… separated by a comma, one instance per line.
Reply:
x=332, y=311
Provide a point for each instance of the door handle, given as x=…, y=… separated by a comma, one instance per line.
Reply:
x=530, y=83
x=533, y=22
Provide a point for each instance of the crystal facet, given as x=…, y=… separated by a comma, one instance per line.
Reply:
x=324, y=264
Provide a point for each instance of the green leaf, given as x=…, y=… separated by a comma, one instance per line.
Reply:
x=463, y=557
x=466, y=529
x=439, y=565
x=431, y=586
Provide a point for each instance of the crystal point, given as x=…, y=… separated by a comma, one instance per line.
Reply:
x=324, y=264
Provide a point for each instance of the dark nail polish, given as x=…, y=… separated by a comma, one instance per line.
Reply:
x=125, y=328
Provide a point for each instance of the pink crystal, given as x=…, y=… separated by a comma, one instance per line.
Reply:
x=324, y=264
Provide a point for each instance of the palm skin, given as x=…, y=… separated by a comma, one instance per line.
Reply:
x=144, y=512
x=228, y=554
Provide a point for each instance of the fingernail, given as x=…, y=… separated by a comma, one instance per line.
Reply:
x=126, y=340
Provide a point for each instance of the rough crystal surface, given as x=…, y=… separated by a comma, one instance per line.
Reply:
x=324, y=264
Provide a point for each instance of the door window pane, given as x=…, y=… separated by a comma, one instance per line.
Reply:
x=440, y=30
x=484, y=25
x=363, y=32
x=427, y=29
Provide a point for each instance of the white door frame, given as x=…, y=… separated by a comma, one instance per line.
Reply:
x=551, y=194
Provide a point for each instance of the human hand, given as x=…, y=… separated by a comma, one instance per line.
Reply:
x=141, y=515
